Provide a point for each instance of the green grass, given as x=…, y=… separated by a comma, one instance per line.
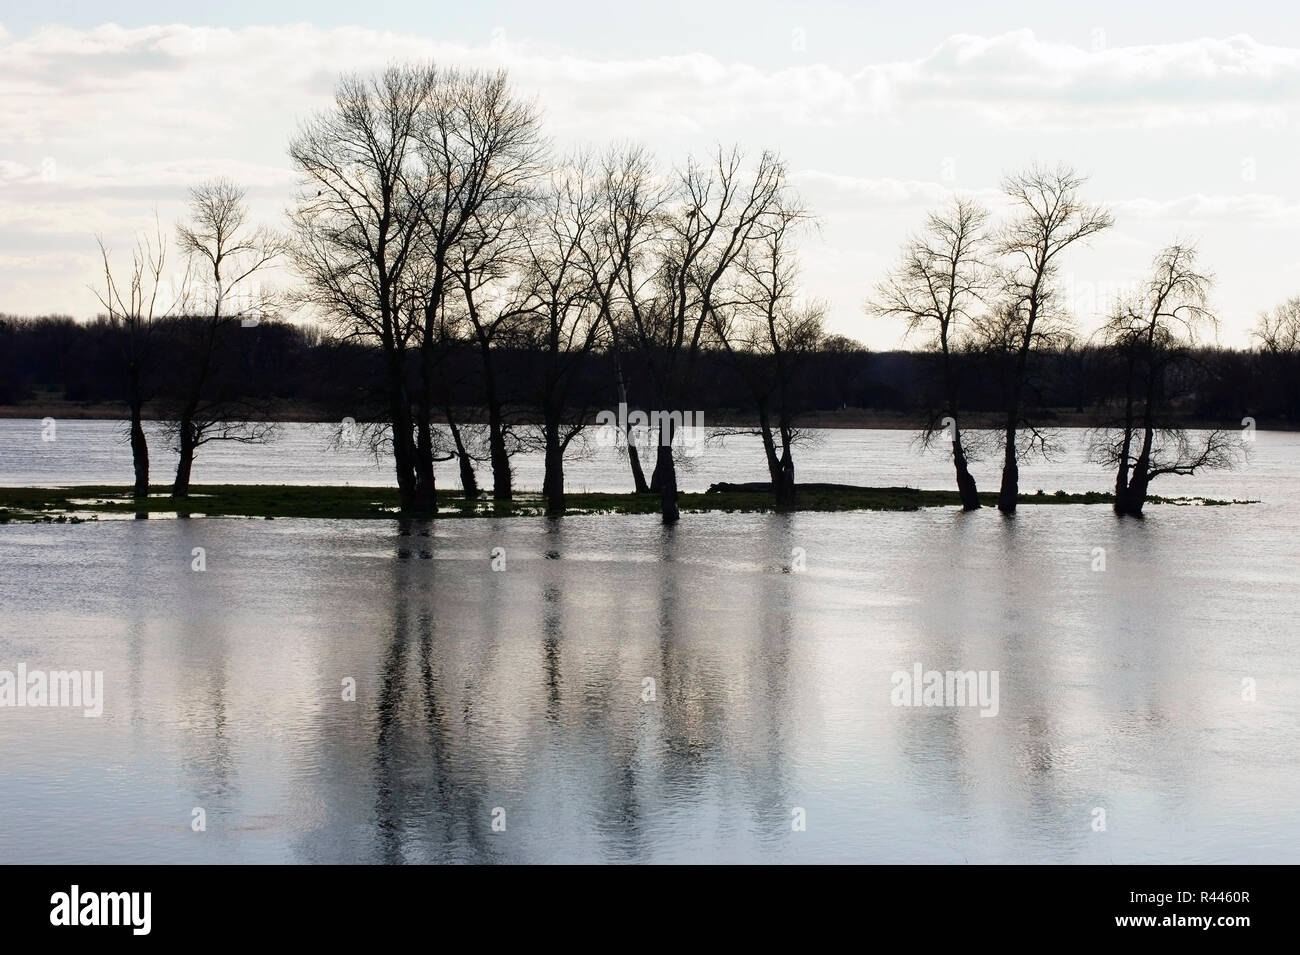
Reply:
x=89, y=502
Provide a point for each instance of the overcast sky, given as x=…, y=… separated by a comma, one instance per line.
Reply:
x=1187, y=122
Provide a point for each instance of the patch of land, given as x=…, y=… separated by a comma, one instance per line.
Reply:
x=93, y=502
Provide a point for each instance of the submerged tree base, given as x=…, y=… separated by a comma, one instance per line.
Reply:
x=91, y=502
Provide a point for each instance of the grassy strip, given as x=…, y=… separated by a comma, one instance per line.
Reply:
x=367, y=503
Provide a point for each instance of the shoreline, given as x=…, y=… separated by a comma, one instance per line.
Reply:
x=89, y=503
x=846, y=418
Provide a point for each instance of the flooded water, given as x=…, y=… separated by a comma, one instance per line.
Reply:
x=616, y=691
x=97, y=452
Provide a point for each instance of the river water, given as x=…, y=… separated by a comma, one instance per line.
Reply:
x=616, y=691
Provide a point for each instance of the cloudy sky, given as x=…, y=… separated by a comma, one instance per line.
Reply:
x=1188, y=123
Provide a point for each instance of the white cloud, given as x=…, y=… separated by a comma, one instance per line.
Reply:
x=213, y=82
x=1260, y=208
x=889, y=191
x=1250, y=207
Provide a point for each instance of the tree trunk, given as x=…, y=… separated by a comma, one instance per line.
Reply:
x=780, y=469
x=403, y=447
x=424, y=495
x=185, y=463
x=139, y=451
x=426, y=484
x=666, y=474
x=501, y=486
x=785, y=487
x=1122, y=501
x=970, y=495
x=501, y=490
x=553, y=482
x=1009, y=493
x=667, y=486
x=657, y=475
x=1121, y=482
x=468, y=482
x=1135, y=496
x=634, y=458
x=769, y=448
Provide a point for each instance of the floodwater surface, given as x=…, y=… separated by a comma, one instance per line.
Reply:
x=616, y=691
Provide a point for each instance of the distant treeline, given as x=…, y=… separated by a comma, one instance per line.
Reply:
x=283, y=370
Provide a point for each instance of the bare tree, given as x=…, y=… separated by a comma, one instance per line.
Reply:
x=229, y=253
x=1152, y=333
x=1278, y=330
x=134, y=308
x=767, y=332
x=488, y=267
x=481, y=150
x=467, y=441
x=358, y=220
x=714, y=211
x=633, y=200
x=618, y=337
x=934, y=289
x=1050, y=217
x=566, y=264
